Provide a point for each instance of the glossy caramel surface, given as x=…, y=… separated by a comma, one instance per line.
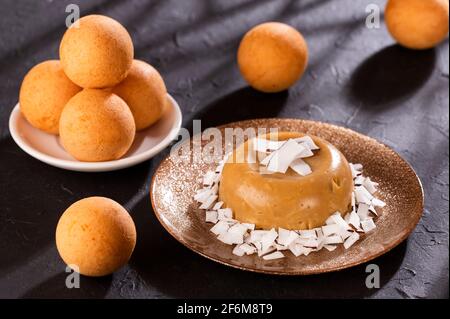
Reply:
x=288, y=200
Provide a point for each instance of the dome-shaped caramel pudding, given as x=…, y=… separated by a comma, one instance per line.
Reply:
x=289, y=200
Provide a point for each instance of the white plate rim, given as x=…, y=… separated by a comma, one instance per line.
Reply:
x=95, y=166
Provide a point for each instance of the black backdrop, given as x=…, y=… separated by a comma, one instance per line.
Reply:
x=357, y=77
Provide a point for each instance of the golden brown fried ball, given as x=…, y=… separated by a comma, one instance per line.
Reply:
x=145, y=93
x=272, y=56
x=97, y=53
x=44, y=92
x=417, y=24
x=97, y=235
x=96, y=125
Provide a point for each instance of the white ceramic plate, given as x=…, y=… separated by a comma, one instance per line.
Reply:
x=47, y=148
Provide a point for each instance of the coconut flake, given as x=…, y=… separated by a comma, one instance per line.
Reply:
x=265, y=145
x=354, y=220
x=248, y=226
x=345, y=234
x=230, y=221
x=330, y=247
x=211, y=216
x=267, y=250
x=275, y=255
x=351, y=240
x=220, y=228
x=336, y=218
x=238, y=229
x=208, y=178
x=284, y=156
x=287, y=239
x=300, y=167
x=363, y=195
x=208, y=202
x=202, y=194
x=217, y=206
x=319, y=232
x=308, y=141
x=295, y=249
x=256, y=235
x=359, y=180
x=373, y=210
x=266, y=160
x=355, y=169
x=226, y=239
x=320, y=237
x=368, y=225
x=370, y=185
x=268, y=239
x=298, y=249
x=363, y=211
x=283, y=235
x=378, y=202
x=307, y=233
x=306, y=153
x=307, y=242
x=232, y=236
x=258, y=247
x=280, y=247
x=332, y=229
x=238, y=251
x=248, y=249
x=224, y=213
x=306, y=251
x=334, y=239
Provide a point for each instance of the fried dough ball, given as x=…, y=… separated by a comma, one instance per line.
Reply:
x=44, y=92
x=97, y=53
x=417, y=24
x=272, y=56
x=145, y=93
x=97, y=235
x=96, y=125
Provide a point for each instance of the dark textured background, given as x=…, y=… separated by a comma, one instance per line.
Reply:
x=357, y=77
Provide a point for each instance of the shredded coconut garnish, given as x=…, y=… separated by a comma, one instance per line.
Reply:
x=278, y=156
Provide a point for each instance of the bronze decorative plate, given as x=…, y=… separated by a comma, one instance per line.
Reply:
x=174, y=184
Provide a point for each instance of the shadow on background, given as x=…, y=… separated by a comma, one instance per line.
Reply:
x=394, y=73
x=34, y=195
x=240, y=105
x=177, y=272
x=55, y=288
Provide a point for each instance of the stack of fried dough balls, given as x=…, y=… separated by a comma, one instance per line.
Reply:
x=97, y=95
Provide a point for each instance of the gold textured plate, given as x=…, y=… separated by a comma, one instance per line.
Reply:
x=174, y=184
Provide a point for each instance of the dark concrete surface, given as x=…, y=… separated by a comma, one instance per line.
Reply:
x=357, y=77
